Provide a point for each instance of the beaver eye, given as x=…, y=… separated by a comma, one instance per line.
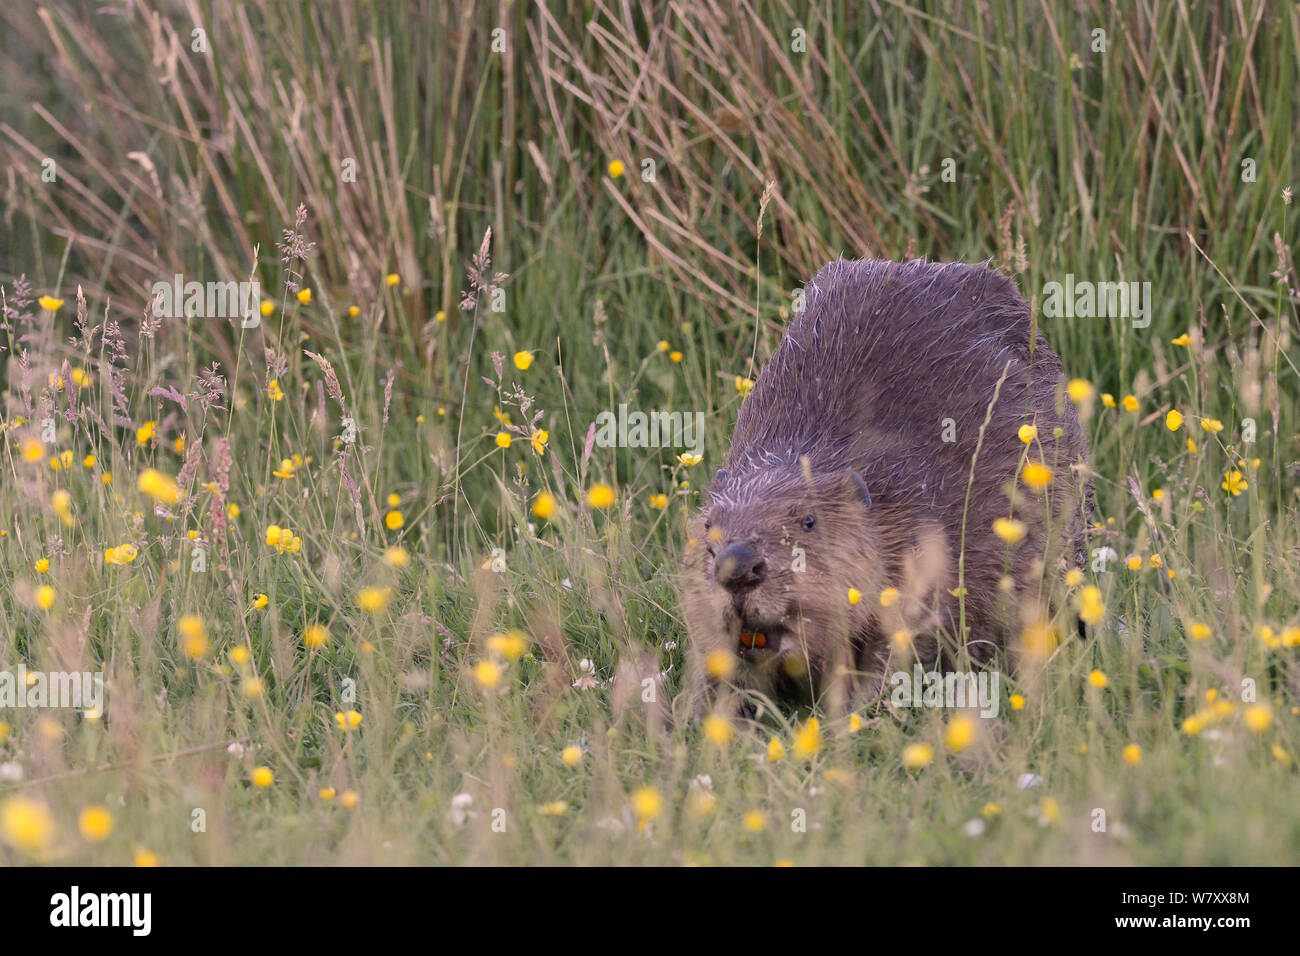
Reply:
x=809, y=522
x=707, y=524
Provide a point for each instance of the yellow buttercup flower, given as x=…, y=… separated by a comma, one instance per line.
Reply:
x=158, y=486
x=121, y=555
x=1130, y=403
x=720, y=664
x=26, y=824
x=615, y=168
x=1036, y=475
x=523, y=360
x=544, y=505
x=1080, y=390
x=61, y=502
x=1090, y=606
x=718, y=730
x=511, y=645
x=807, y=739
x=487, y=673
x=49, y=303
x=194, y=637
x=95, y=823
x=315, y=636
x=348, y=720
x=1009, y=529
x=374, y=600
x=600, y=496
x=916, y=756
x=304, y=296
x=960, y=733
x=1234, y=483
x=262, y=777
x=1258, y=718
x=1173, y=420
x=1027, y=433
x=647, y=804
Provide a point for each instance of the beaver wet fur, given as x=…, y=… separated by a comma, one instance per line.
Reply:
x=851, y=468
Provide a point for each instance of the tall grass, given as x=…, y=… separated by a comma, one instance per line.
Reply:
x=1125, y=164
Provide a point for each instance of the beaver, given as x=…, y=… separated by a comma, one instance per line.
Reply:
x=854, y=514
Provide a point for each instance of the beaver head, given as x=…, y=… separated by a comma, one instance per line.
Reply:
x=770, y=563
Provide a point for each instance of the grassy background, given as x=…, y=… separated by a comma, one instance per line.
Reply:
x=1123, y=164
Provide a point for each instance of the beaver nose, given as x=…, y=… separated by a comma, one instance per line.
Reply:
x=740, y=566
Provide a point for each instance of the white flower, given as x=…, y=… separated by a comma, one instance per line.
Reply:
x=11, y=772
x=587, y=676
x=460, y=808
x=973, y=828
x=1028, y=780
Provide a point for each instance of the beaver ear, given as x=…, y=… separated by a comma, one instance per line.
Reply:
x=720, y=477
x=861, y=484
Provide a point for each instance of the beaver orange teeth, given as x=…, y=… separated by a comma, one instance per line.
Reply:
x=754, y=639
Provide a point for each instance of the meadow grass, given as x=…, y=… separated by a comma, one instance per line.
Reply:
x=453, y=617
